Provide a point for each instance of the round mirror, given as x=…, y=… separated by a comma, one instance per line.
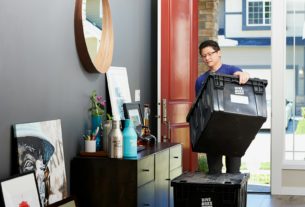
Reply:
x=94, y=34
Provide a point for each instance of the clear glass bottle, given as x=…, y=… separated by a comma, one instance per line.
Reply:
x=147, y=137
x=115, y=141
x=145, y=128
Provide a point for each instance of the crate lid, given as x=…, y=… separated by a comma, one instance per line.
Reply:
x=228, y=179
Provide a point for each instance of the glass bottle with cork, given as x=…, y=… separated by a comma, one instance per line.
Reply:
x=147, y=137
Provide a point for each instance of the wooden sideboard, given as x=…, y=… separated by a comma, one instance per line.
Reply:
x=145, y=181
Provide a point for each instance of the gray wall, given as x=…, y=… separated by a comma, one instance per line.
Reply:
x=41, y=77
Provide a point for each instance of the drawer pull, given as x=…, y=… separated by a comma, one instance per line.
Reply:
x=146, y=204
x=145, y=170
x=168, y=179
x=176, y=157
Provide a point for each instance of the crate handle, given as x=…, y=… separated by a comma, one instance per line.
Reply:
x=258, y=87
x=218, y=81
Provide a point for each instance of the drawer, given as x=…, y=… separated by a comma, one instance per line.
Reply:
x=146, y=170
x=146, y=195
x=162, y=165
x=175, y=173
x=175, y=154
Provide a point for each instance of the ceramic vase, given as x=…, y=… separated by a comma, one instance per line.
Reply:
x=96, y=121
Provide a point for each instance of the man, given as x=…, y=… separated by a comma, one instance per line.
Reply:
x=211, y=55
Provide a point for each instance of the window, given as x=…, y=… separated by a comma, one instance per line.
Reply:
x=258, y=13
x=295, y=84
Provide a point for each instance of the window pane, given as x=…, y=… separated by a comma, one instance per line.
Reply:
x=294, y=83
x=288, y=156
x=256, y=12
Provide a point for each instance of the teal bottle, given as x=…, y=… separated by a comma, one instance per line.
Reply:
x=129, y=140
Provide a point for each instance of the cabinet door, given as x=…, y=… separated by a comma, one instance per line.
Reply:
x=146, y=170
x=173, y=174
x=175, y=156
x=146, y=195
x=162, y=178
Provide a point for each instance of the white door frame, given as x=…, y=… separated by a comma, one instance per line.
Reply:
x=278, y=64
x=159, y=73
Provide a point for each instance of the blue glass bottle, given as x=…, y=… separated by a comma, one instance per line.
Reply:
x=129, y=140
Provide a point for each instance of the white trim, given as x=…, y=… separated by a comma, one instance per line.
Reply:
x=293, y=191
x=278, y=63
x=159, y=73
x=293, y=165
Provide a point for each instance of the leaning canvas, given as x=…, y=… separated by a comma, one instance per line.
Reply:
x=40, y=148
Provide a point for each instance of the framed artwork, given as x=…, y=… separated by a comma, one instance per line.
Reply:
x=119, y=92
x=21, y=191
x=67, y=202
x=40, y=149
x=132, y=111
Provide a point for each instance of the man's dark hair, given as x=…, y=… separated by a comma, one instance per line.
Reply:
x=209, y=43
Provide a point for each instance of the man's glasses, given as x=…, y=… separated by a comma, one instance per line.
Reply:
x=208, y=54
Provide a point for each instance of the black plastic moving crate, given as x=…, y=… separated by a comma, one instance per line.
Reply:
x=226, y=116
x=202, y=190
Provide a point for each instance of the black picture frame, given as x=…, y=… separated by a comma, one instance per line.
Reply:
x=67, y=202
x=21, y=189
x=133, y=112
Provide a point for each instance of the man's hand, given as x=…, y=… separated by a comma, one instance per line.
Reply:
x=243, y=76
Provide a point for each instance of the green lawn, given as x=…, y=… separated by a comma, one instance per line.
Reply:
x=301, y=127
x=254, y=178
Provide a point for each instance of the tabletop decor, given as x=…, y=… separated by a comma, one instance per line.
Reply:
x=90, y=140
x=119, y=92
x=98, y=112
x=40, y=148
x=21, y=190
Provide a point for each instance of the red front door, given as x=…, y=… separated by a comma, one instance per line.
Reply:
x=179, y=40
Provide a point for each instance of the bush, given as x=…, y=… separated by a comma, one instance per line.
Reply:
x=203, y=163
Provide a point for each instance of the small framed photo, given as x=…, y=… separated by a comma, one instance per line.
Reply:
x=67, y=202
x=21, y=191
x=132, y=111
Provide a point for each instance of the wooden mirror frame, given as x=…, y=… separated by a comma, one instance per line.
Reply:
x=104, y=55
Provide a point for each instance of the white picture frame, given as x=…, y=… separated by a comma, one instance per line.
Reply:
x=21, y=190
x=119, y=91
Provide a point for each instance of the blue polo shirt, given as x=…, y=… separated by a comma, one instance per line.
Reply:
x=224, y=69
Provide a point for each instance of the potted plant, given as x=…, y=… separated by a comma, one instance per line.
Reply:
x=98, y=111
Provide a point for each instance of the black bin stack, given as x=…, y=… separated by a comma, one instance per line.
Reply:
x=226, y=116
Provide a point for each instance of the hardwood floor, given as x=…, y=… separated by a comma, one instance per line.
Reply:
x=267, y=200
